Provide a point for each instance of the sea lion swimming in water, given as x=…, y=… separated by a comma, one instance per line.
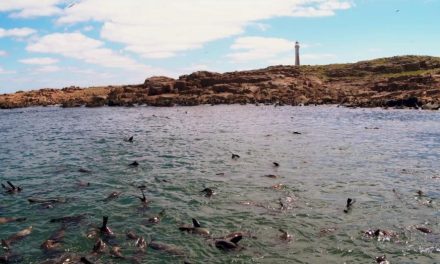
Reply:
x=229, y=245
x=195, y=229
x=4, y=220
x=75, y=219
x=82, y=170
x=112, y=196
x=12, y=188
x=382, y=260
x=105, y=230
x=235, y=156
x=99, y=247
x=47, y=201
x=53, y=244
x=143, y=199
x=208, y=192
x=285, y=235
x=16, y=237
x=134, y=164
x=275, y=164
x=380, y=234
x=157, y=218
x=169, y=249
x=349, y=205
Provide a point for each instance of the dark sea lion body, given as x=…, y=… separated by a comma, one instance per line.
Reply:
x=229, y=245
x=169, y=249
x=4, y=220
x=12, y=188
x=105, y=230
x=16, y=237
x=195, y=229
x=68, y=219
x=53, y=244
x=47, y=201
x=112, y=196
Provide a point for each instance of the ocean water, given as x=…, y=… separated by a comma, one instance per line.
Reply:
x=379, y=157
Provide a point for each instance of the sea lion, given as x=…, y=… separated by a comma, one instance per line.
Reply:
x=166, y=248
x=7, y=243
x=99, y=247
x=157, y=218
x=83, y=170
x=235, y=156
x=112, y=196
x=131, y=235
x=270, y=176
x=349, y=205
x=115, y=252
x=143, y=199
x=105, y=230
x=236, y=234
x=141, y=243
x=134, y=164
x=47, y=201
x=4, y=220
x=380, y=234
x=424, y=229
x=285, y=235
x=53, y=244
x=83, y=184
x=74, y=219
x=12, y=188
x=327, y=231
x=229, y=245
x=296, y=133
x=208, y=192
x=85, y=260
x=195, y=229
x=275, y=164
x=278, y=186
x=382, y=260
x=130, y=139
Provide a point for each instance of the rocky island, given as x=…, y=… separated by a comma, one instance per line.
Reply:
x=404, y=81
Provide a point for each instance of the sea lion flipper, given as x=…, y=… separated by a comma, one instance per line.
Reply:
x=196, y=223
x=236, y=239
x=12, y=185
x=4, y=187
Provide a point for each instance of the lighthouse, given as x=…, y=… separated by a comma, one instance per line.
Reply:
x=297, y=54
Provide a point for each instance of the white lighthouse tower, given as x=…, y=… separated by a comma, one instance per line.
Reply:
x=297, y=63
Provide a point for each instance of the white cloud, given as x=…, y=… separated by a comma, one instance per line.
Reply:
x=259, y=48
x=30, y=8
x=48, y=68
x=3, y=53
x=160, y=31
x=3, y=71
x=16, y=32
x=88, y=28
x=81, y=47
x=39, y=61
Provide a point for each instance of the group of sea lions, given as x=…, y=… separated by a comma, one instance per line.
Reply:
x=107, y=241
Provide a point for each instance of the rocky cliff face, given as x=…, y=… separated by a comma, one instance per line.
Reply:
x=407, y=81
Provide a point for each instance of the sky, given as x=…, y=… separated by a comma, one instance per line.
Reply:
x=59, y=43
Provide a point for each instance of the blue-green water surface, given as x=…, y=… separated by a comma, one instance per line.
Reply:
x=340, y=153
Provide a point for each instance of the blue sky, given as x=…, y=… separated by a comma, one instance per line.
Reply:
x=58, y=43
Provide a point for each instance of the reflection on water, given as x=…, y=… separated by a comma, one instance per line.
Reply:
x=340, y=153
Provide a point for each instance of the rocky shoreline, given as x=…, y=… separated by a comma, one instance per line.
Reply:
x=398, y=82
